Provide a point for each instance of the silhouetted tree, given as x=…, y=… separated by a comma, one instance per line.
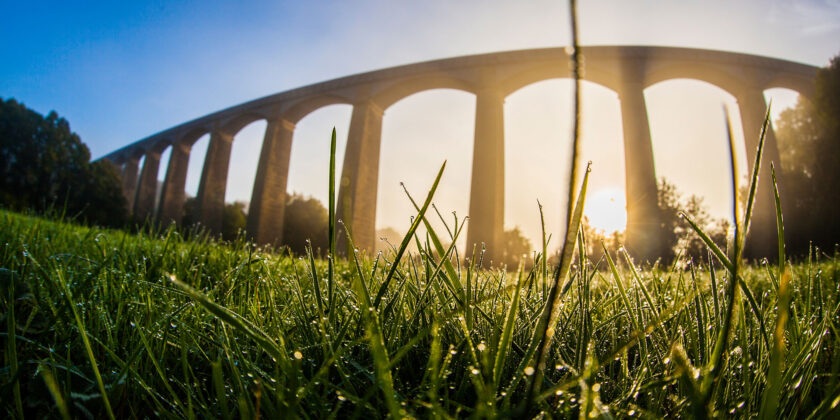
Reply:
x=809, y=145
x=43, y=165
x=234, y=218
x=514, y=247
x=305, y=218
x=596, y=237
x=678, y=237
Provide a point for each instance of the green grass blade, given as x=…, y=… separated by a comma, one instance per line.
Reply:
x=780, y=223
x=453, y=280
x=544, y=330
x=544, y=260
x=331, y=226
x=237, y=321
x=11, y=349
x=621, y=289
x=507, y=334
x=407, y=239
x=52, y=386
x=770, y=398
x=88, y=349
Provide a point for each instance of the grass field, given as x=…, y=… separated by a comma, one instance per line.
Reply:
x=95, y=326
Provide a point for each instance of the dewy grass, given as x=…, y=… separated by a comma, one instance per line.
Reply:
x=244, y=330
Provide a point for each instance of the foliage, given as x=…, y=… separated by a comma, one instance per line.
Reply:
x=809, y=146
x=44, y=166
x=515, y=247
x=305, y=219
x=598, y=239
x=678, y=237
x=234, y=219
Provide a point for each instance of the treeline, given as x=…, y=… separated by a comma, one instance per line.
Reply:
x=44, y=167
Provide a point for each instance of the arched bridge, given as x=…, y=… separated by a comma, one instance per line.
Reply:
x=627, y=70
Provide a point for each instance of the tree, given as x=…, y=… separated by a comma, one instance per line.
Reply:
x=809, y=144
x=678, y=237
x=234, y=219
x=305, y=218
x=597, y=239
x=514, y=247
x=43, y=165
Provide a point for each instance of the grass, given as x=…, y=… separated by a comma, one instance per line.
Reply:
x=96, y=326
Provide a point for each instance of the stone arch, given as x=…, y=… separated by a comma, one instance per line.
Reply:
x=309, y=153
x=597, y=72
x=244, y=155
x=404, y=88
x=300, y=109
x=192, y=135
x=539, y=117
x=803, y=86
x=198, y=144
x=682, y=127
x=232, y=126
x=436, y=134
x=719, y=76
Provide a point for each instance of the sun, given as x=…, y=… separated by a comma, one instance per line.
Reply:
x=606, y=210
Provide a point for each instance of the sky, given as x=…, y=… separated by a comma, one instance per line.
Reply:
x=121, y=71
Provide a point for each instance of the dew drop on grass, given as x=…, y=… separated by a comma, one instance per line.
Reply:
x=298, y=355
x=529, y=370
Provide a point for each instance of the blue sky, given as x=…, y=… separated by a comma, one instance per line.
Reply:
x=120, y=71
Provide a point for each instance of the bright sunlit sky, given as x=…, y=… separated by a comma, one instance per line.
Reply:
x=120, y=71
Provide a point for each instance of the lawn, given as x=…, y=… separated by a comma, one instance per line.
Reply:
x=104, y=323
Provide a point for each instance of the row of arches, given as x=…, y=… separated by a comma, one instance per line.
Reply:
x=415, y=143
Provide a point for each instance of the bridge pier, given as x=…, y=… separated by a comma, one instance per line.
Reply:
x=487, y=185
x=171, y=206
x=356, y=205
x=129, y=180
x=144, y=203
x=210, y=203
x=643, y=236
x=268, y=201
x=762, y=237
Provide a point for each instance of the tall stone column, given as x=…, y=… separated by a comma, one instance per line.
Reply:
x=487, y=185
x=643, y=237
x=129, y=180
x=762, y=238
x=268, y=201
x=172, y=196
x=356, y=205
x=144, y=203
x=211, y=190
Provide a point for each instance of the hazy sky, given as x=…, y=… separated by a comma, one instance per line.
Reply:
x=120, y=71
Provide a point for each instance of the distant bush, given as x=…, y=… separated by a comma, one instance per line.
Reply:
x=46, y=167
x=305, y=218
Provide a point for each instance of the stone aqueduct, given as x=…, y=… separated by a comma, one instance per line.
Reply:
x=627, y=70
